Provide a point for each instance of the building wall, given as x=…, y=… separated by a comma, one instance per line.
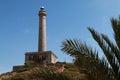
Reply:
x=41, y=58
x=53, y=59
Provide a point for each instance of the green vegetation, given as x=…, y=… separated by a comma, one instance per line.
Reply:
x=45, y=73
x=73, y=72
x=28, y=66
x=111, y=50
x=87, y=59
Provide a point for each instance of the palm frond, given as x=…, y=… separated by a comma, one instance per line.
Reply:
x=71, y=47
x=107, y=51
x=116, y=29
x=113, y=47
x=87, y=59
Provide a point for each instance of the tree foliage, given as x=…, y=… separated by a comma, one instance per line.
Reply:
x=110, y=49
x=47, y=74
x=87, y=59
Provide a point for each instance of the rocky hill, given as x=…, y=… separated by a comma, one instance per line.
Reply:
x=67, y=69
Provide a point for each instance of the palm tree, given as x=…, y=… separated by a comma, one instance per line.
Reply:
x=87, y=60
x=110, y=49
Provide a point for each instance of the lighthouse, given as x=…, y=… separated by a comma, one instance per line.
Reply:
x=42, y=30
x=42, y=56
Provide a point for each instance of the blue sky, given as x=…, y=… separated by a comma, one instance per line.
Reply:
x=66, y=19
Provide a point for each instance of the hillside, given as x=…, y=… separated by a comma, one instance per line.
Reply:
x=62, y=69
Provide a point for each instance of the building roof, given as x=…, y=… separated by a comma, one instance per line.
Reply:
x=38, y=53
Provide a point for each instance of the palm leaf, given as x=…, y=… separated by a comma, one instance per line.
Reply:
x=116, y=29
x=107, y=51
x=87, y=59
x=113, y=47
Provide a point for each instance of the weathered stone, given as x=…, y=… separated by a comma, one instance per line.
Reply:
x=44, y=57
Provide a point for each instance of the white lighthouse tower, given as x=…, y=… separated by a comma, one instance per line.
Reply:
x=42, y=56
x=42, y=30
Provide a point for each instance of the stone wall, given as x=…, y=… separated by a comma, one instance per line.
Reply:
x=15, y=68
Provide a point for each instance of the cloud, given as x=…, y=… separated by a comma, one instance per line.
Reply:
x=27, y=31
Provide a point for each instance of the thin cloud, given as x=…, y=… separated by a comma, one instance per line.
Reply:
x=27, y=31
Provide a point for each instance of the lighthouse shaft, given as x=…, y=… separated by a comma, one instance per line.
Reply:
x=42, y=31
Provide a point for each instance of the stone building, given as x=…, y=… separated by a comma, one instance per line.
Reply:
x=44, y=57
